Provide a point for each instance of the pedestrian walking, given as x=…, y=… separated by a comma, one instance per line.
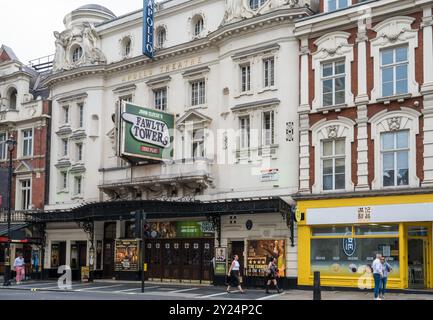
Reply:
x=234, y=275
x=19, y=268
x=273, y=274
x=386, y=271
x=377, y=267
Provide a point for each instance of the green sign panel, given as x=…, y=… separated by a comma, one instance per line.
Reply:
x=146, y=134
x=193, y=229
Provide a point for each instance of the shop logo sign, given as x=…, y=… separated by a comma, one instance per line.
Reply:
x=349, y=246
x=148, y=130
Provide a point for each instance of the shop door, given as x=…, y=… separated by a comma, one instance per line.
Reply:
x=176, y=268
x=82, y=254
x=208, y=253
x=167, y=260
x=187, y=257
x=237, y=248
x=418, y=257
x=155, y=254
x=62, y=253
x=108, y=254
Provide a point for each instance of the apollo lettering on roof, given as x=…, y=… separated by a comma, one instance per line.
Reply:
x=145, y=133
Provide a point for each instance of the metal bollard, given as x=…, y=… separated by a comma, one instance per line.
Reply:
x=317, y=293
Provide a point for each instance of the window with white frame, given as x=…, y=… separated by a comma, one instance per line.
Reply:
x=65, y=147
x=394, y=66
x=268, y=123
x=65, y=112
x=332, y=5
x=81, y=115
x=333, y=83
x=3, y=146
x=26, y=194
x=269, y=72
x=395, y=158
x=160, y=98
x=198, y=143
x=161, y=37
x=198, y=92
x=333, y=164
x=63, y=181
x=255, y=4
x=78, y=185
x=198, y=26
x=245, y=77
x=27, y=138
x=244, y=126
x=79, y=152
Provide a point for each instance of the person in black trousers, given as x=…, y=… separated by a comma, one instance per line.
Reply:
x=272, y=275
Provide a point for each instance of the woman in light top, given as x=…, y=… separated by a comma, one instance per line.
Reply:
x=234, y=274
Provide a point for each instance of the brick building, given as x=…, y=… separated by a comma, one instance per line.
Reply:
x=366, y=141
x=24, y=115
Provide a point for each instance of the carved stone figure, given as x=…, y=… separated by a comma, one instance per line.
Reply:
x=233, y=10
x=90, y=42
x=60, y=57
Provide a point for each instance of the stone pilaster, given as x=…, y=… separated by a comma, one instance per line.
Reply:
x=304, y=153
x=362, y=151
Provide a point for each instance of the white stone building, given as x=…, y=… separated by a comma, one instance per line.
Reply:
x=229, y=72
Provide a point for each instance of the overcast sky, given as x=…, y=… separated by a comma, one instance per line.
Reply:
x=27, y=26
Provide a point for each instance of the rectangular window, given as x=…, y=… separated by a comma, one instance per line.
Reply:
x=78, y=185
x=198, y=144
x=245, y=78
x=334, y=164
x=65, y=114
x=3, y=147
x=395, y=158
x=334, y=83
x=26, y=191
x=394, y=65
x=268, y=128
x=198, y=93
x=269, y=69
x=160, y=98
x=81, y=116
x=27, y=136
x=64, y=180
x=79, y=152
x=244, y=123
x=337, y=4
x=349, y=257
x=65, y=147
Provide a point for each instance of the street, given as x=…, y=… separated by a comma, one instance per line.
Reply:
x=48, y=290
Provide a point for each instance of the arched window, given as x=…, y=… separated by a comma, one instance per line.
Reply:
x=13, y=98
x=255, y=4
x=161, y=37
x=77, y=54
x=94, y=128
x=198, y=26
x=126, y=46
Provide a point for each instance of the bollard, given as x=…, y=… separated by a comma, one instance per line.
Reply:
x=317, y=295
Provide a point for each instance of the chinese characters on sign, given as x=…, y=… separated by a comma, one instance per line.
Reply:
x=364, y=214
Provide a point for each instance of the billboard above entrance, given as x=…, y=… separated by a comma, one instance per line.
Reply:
x=145, y=134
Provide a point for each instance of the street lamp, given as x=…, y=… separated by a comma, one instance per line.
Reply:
x=11, y=143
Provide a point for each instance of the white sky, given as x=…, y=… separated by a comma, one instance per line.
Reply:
x=27, y=26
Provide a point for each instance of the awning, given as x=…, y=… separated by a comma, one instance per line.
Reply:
x=15, y=229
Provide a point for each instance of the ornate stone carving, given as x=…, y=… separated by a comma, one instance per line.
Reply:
x=332, y=132
x=394, y=123
x=84, y=36
x=237, y=10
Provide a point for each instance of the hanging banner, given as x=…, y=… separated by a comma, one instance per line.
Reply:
x=146, y=134
x=148, y=27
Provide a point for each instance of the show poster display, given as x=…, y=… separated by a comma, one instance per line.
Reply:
x=180, y=229
x=220, y=261
x=352, y=257
x=146, y=134
x=261, y=252
x=127, y=255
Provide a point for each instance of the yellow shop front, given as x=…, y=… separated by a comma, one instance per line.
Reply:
x=340, y=238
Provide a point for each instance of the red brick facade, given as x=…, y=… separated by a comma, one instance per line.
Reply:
x=350, y=112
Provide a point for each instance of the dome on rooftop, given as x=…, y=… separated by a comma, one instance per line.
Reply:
x=96, y=7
